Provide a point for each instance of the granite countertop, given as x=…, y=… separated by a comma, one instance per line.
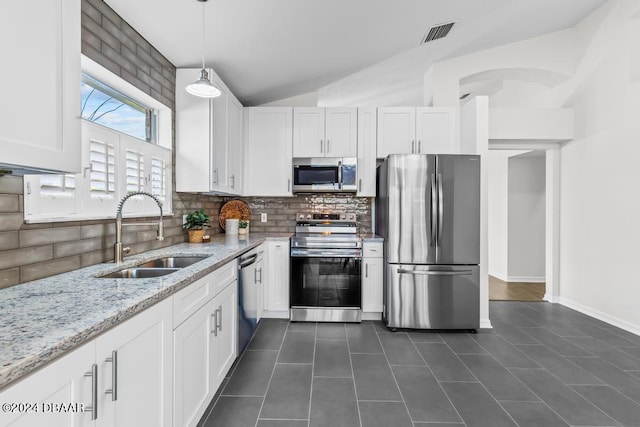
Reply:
x=45, y=318
x=370, y=237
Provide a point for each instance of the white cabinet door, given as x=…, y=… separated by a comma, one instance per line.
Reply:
x=372, y=285
x=341, y=130
x=308, y=132
x=193, y=366
x=235, y=154
x=63, y=381
x=268, y=151
x=260, y=278
x=225, y=339
x=396, y=131
x=366, y=152
x=135, y=360
x=40, y=123
x=435, y=130
x=219, y=150
x=276, y=289
x=193, y=143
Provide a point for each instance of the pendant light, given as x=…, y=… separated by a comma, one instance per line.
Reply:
x=203, y=86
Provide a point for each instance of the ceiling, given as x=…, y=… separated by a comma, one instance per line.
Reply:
x=266, y=50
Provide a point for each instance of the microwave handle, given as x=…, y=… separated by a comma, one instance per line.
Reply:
x=340, y=175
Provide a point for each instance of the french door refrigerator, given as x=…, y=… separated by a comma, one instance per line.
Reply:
x=428, y=211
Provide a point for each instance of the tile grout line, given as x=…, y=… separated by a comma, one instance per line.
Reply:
x=271, y=377
x=353, y=376
x=313, y=365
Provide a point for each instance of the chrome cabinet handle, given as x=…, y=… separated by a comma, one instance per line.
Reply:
x=288, y=185
x=328, y=146
x=366, y=270
x=255, y=276
x=113, y=391
x=260, y=274
x=93, y=408
x=321, y=147
x=219, y=320
x=215, y=176
x=419, y=146
x=214, y=331
x=434, y=273
x=232, y=178
x=360, y=184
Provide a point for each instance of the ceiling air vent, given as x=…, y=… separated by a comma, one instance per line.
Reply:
x=465, y=95
x=437, y=32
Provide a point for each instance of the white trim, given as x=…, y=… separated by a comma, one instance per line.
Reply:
x=551, y=298
x=373, y=315
x=499, y=276
x=612, y=320
x=485, y=324
x=271, y=314
x=526, y=279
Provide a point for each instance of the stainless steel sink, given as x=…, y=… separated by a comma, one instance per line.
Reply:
x=155, y=267
x=172, y=262
x=139, y=273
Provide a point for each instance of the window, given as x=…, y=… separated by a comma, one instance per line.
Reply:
x=106, y=106
x=126, y=140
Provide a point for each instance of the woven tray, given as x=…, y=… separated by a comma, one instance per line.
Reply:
x=236, y=209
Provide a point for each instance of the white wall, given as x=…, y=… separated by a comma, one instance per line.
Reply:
x=600, y=197
x=526, y=218
x=497, y=163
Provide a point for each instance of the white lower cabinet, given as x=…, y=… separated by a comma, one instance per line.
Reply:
x=276, y=283
x=205, y=344
x=124, y=376
x=372, y=277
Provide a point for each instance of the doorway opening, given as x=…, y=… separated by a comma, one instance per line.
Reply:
x=517, y=225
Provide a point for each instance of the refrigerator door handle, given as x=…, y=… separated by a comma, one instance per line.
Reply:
x=435, y=273
x=434, y=210
x=440, y=211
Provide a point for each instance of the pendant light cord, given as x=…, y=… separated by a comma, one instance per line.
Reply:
x=203, y=2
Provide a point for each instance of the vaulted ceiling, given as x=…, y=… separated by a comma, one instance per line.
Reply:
x=267, y=50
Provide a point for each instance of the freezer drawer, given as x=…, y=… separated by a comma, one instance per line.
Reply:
x=432, y=297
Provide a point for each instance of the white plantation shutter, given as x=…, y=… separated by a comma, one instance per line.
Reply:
x=57, y=186
x=158, y=178
x=134, y=170
x=102, y=169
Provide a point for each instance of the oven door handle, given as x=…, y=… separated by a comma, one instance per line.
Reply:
x=323, y=253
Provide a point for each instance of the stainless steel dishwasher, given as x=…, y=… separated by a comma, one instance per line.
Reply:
x=249, y=286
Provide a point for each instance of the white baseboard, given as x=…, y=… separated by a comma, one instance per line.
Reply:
x=499, y=276
x=485, y=324
x=284, y=314
x=612, y=320
x=551, y=298
x=371, y=315
x=527, y=279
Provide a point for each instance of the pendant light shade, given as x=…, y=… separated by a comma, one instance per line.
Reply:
x=203, y=86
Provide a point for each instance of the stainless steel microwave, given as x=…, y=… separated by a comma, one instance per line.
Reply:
x=324, y=174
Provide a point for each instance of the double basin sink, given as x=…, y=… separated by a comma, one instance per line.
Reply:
x=155, y=268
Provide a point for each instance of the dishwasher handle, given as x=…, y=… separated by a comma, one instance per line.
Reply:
x=246, y=262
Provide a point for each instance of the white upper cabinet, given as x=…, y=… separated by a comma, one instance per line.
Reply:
x=40, y=123
x=396, y=130
x=416, y=130
x=208, y=137
x=268, y=151
x=366, y=152
x=324, y=132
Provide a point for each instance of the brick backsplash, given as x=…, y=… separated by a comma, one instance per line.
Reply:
x=281, y=211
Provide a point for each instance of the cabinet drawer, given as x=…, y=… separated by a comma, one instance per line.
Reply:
x=372, y=249
x=190, y=299
x=223, y=277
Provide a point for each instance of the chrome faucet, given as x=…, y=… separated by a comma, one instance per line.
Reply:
x=118, y=250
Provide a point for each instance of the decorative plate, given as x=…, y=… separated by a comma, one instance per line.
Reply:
x=234, y=209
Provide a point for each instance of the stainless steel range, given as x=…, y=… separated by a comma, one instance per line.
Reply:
x=326, y=258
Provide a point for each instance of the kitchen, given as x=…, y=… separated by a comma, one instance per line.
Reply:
x=32, y=251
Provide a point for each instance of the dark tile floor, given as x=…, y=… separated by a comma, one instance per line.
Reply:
x=542, y=365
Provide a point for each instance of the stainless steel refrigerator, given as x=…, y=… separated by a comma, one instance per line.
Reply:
x=428, y=211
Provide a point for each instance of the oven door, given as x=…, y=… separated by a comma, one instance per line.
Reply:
x=326, y=287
